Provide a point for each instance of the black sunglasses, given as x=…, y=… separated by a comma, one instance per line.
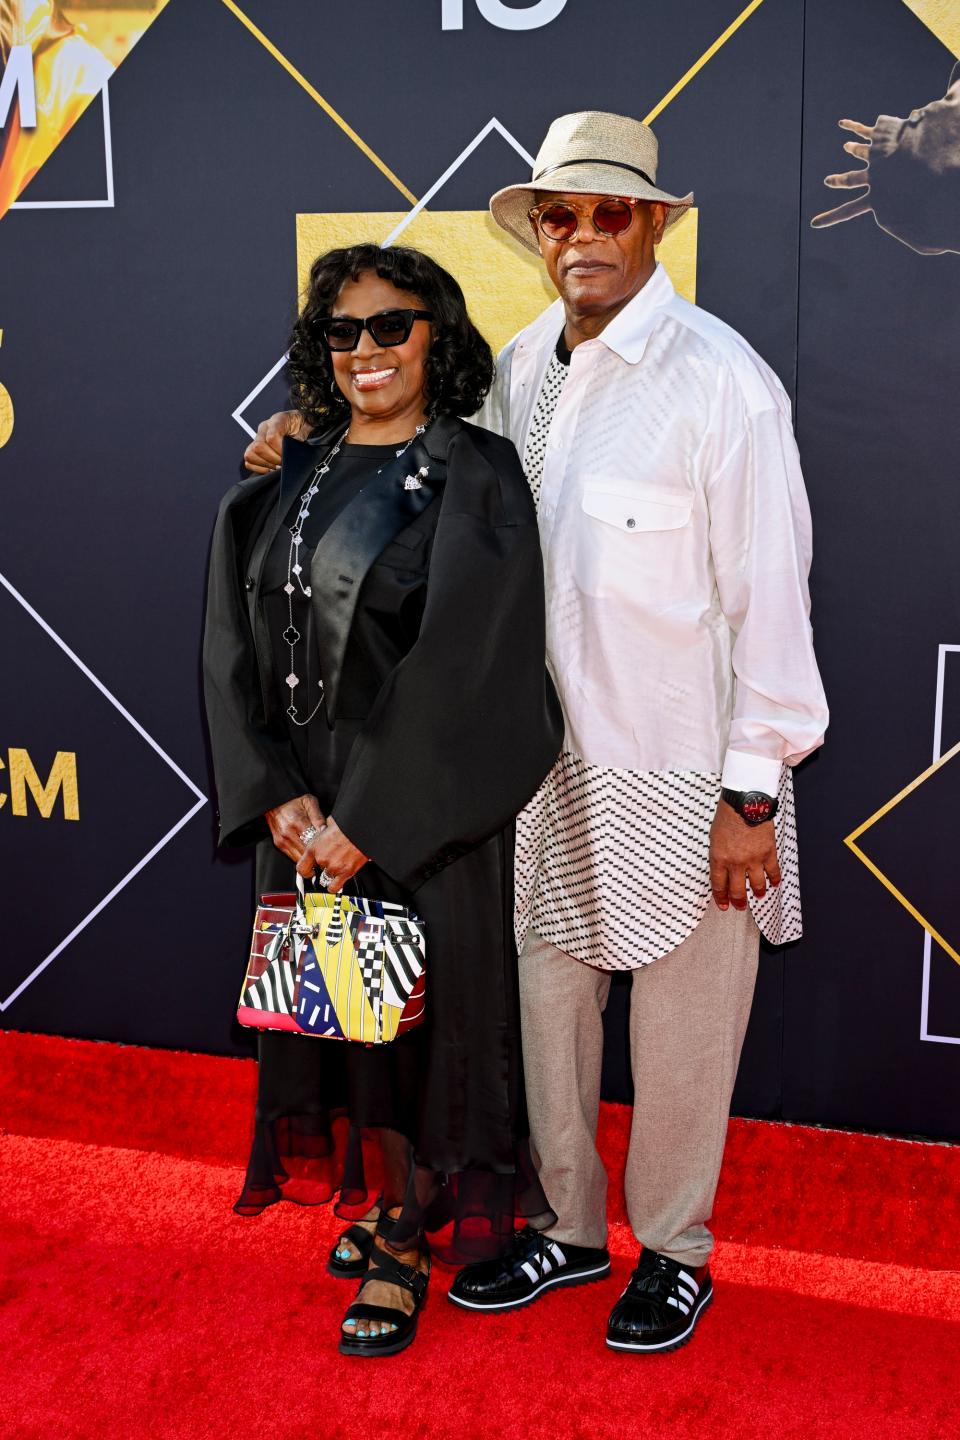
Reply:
x=559, y=220
x=388, y=327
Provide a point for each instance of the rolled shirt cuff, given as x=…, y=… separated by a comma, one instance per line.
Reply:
x=751, y=772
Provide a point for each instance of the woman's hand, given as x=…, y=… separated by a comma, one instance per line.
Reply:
x=332, y=852
x=288, y=822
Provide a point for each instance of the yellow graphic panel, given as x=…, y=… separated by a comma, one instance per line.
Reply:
x=942, y=17
x=338, y=964
x=61, y=56
x=506, y=286
x=6, y=411
x=678, y=254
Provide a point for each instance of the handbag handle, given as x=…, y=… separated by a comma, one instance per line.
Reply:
x=300, y=910
x=301, y=889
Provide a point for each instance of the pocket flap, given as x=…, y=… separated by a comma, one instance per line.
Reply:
x=637, y=509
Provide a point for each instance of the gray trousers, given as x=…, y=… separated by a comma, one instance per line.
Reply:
x=688, y=1016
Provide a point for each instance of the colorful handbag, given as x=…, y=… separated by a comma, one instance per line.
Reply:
x=338, y=966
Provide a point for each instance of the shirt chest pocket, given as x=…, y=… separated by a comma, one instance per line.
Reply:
x=630, y=541
x=637, y=509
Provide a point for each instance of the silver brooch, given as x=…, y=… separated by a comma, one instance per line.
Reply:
x=415, y=482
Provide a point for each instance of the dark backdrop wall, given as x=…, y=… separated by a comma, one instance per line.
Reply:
x=131, y=332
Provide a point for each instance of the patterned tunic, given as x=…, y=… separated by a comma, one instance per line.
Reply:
x=612, y=865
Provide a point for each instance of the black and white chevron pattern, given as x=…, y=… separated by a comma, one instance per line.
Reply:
x=612, y=866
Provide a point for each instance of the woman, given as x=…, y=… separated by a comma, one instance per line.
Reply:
x=379, y=711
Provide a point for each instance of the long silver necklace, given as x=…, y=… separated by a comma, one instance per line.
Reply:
x=292, y=635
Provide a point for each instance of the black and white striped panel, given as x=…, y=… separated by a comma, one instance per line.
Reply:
x=551, y=1258
x=402, y=961
x=687, y=1292
x=273, y=991
x=334, y=931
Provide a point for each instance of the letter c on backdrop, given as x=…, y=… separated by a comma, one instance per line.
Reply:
x=504, y=16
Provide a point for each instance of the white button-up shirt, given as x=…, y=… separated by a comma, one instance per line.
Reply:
x=677, y=543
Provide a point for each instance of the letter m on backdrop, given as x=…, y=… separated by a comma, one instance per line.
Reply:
x=62, y=781
x=18, y=80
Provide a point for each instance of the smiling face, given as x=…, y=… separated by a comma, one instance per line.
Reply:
x=596, y=275
x=385, y=385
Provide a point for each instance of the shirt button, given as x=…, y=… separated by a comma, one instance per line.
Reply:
x=249, y=582
x=631, y=524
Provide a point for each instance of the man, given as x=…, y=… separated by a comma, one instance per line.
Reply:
x=676, y=540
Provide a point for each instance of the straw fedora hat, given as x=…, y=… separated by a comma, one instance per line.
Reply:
x=589, y=153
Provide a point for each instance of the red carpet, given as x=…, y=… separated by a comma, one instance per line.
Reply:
x=134, y=1302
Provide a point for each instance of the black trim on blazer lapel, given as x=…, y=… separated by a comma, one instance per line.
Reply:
x=439, y=436
x=352, y=543
x=300, y=459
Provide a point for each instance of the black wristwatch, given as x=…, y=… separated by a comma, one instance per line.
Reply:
x=753, y=806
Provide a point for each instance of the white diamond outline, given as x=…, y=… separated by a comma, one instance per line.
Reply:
x=108, y=203
x=492, y=125
x=141, y=864
x=942, y=652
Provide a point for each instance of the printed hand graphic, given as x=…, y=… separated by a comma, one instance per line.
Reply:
x=910, y=179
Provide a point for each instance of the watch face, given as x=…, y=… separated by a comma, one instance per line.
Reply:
x=756, y=807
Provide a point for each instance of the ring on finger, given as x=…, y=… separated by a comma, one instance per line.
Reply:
x=309, y=834
x=326, y=880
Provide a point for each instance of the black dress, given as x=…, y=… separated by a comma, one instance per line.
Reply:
x=437, y=724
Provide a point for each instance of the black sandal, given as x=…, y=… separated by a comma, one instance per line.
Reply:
x=362, y=1240
x=392, y=1272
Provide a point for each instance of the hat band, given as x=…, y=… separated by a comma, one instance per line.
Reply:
x=617, y=165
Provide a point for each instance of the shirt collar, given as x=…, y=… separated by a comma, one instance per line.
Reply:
x=627, y=333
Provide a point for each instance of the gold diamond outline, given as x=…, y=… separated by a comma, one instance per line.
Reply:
x=851, y=842
x=286, y=64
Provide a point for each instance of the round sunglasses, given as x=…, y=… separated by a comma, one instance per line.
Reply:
x=388, y=327
x=559, y=220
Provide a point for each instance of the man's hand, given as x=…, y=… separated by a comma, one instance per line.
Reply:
x=288, y=822
x=332, y=851
x=740, y=852
x=263, y=454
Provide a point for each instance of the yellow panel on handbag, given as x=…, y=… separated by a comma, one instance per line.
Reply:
x=340, y=964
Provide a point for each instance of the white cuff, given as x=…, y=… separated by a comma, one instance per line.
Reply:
x=751, y=772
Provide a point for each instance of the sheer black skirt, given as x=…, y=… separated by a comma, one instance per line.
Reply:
x=453, y=1087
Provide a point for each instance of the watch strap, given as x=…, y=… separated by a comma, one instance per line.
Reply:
x=753, y=806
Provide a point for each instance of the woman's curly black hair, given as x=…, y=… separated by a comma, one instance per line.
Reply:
x=459, y=367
